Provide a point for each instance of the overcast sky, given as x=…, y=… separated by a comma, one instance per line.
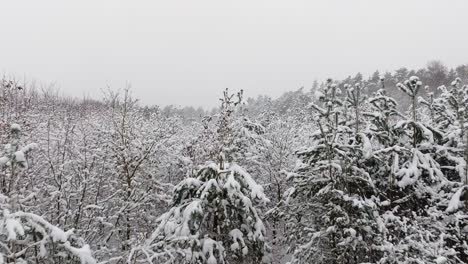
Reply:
x=187, y=52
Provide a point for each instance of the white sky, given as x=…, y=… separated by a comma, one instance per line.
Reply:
x=187, y=52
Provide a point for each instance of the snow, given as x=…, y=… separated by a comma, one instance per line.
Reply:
x=15, y=127
x=29, y=147
x=15, y=224
x=231, y=185
x=19, y=157
x=209, y=246
x=455, y=203
x=93, y=207
x=193, y=208
x=13, y=227
x=351, y=232
x=58, y=235
x=413, y=170
x=395, y=164
x=366, y=146
x=427, y=133
x=4, y=161
x=238, y=241
x=460, y=166
x=83, y=253
x=385, y=203
x=256, y=189
x=441, y=260
x=404, y=88
x=356, y=201
x=189, y=183
x=319, y=94
x=109, y=172
x=211, y=184
x=259, y=230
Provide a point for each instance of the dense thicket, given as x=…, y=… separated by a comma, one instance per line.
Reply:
x=351, y=171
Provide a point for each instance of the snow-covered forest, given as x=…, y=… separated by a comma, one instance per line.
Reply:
x=361, y=170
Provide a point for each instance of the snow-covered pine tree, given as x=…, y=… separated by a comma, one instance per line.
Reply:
x=454, y=116
x=355, y=99
x=213, y=218
x=411, y=219
x=381, y=116
x=383, y=109
x=417, y=155
x=226, y=147
x=454, y=157
x=332, y=201
x=230, y=132
x=202, y=146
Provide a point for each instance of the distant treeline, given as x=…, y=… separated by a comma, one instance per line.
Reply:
x=433, y=75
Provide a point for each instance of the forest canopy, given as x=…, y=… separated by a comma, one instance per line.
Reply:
x=359, y=170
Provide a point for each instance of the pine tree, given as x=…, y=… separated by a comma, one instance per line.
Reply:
x=213, y=217
x=454, y=157
x=410, y=218
x=332, y=200
x=455, y=115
